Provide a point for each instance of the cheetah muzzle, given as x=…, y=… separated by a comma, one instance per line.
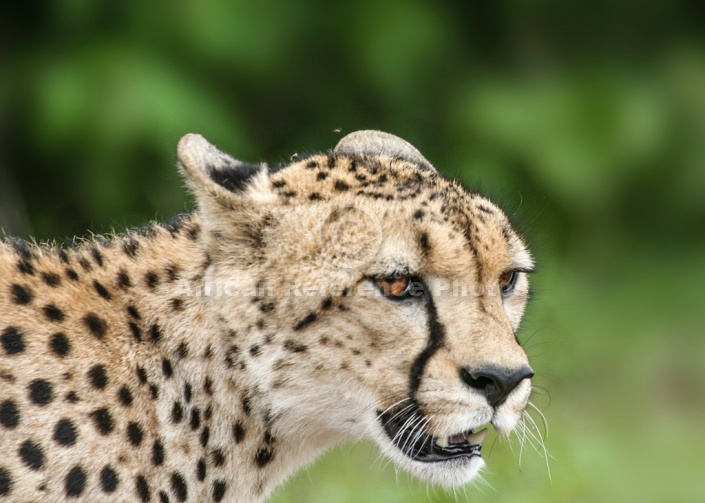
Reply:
x=351, y=295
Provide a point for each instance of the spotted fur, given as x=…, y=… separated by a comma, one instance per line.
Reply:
x=207, y=358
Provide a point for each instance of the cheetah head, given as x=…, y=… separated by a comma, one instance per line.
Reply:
x=379, y=299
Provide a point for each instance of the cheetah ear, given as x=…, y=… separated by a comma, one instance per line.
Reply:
x=232, y=195
x=215, y=174
x=373, y=142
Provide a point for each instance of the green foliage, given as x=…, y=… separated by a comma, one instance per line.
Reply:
x=586, y=120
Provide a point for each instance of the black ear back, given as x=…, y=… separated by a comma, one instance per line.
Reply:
x=234, y=177
x=204, y=165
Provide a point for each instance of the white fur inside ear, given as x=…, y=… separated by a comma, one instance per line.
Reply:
x=195, y=152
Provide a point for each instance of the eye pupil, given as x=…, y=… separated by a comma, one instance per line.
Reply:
x=507, y=280
x=394, y=287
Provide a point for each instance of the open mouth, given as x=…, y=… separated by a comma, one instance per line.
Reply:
x=406, y=433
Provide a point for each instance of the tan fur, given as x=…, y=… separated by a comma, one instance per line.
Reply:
x=250, y=334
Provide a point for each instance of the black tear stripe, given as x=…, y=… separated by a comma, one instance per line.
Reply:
x=436, y=337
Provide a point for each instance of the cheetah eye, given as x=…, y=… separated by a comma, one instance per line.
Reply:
x=507, y=282
x=394, y=287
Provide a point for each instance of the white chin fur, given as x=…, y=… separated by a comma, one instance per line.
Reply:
x=451, y=473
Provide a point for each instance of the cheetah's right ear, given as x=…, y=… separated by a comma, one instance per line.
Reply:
x=217, y=178
x=232, y=196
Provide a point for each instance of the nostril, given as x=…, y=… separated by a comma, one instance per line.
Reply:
x=493, y=382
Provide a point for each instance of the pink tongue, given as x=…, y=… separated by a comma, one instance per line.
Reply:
x=457, y=439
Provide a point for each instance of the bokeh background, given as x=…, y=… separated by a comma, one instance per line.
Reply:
x=584, y=119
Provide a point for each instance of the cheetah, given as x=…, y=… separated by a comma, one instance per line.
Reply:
x=353, y=294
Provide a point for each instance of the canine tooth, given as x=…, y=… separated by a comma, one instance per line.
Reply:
x=442, y=442
x=477, y=437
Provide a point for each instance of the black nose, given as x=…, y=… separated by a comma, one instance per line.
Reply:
x=493, y=382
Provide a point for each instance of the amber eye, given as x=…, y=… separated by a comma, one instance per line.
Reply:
x=395, y=287
x=507, y=281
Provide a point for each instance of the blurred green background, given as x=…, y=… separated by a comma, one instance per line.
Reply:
x=585, y=120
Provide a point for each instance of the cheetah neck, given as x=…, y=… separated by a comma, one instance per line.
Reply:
x=209, y=399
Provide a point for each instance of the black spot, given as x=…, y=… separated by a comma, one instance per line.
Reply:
x=157, y=453
x=327, y=303
x=177, y=412
x=95, y=324
x=218, y=490
x=266, y=307
x=21, y=295
x=193, y=232
x=53, y=313
x=31, y=455
x=254, y=350
x=59, y=344
x=101, y=290
x=123, y=279
x=97, y=256
x=9, y=415
x=163, y=497
x=65, y=432
x=314, y=196
x=5, y=482
x=172, y=272
x=234, y=177
x=51, y=279
x=167, y=368
x=136, y=331
x=208, y=386
x=134, y=433
x=85, y=264
x=151, y=280
x=72, y=397
x=103, y=421
x=178, y=485
x=71, y=274
x=75, y=482
x=176, y=304
x=201, y=470
x=218, y=457
x=263, y=457
x=98, y=377
x=322, y=175
x=424, y=243
x=188, y=392
x=182, y=350
x=133, y=312
x=294, y=347
x=310, y=318
x=419, y=214
x=155, y=334
x=195, y=418
x=142, y=489
x=208, y=414
x=246, y=407
x=238, y=432
x=12, y=341
x=125, y=396
x=25, y=267
x=142, y=375
x=41, y=392
x=341, y=186
x=205, y=436
x=108, y=480
x=130, y=247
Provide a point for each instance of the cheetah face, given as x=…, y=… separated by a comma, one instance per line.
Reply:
x=390, y=297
